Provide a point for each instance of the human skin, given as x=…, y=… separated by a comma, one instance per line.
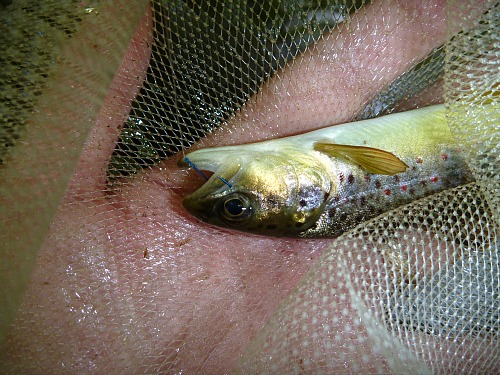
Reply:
x=128, y=282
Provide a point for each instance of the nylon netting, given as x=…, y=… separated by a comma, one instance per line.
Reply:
x=104, y=272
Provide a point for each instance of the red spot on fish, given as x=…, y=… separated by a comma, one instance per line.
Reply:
x=419, y=160
x=404, y=187
x=434, y=179
x=387, y=192
x=444, y=157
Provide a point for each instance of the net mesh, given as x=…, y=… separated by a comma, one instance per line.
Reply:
x=104, y=272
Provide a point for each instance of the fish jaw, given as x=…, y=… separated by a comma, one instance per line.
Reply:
x=201, y=203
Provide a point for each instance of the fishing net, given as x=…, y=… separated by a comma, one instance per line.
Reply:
x=102, y=270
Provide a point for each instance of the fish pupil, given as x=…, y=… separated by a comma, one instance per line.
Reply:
x=234, y=207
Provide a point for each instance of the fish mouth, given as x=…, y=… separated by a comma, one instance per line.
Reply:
x=201, y=203
x=209, y=159
x=217, y=176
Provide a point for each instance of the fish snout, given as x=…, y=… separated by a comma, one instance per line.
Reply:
x=201, y=211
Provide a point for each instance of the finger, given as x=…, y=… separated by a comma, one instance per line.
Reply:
x=90, y=173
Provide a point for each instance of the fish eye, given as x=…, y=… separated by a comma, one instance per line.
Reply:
x=236, y=207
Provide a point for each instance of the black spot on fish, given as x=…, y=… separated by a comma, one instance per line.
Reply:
x=362, y=201
x=412, y=191
x=332, y=212
x=423, y=183
x=367, y=178
x=419, y=160
x=396, y=178
x=350, y=179
x=272, y=201
x=341, y=177
x=378, y=184
x=302, y=203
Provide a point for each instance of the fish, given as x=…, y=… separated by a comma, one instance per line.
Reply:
x=326, y=182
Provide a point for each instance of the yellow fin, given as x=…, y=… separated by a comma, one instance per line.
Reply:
x=373, y=160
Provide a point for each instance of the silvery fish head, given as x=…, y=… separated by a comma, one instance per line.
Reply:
x=268, y=193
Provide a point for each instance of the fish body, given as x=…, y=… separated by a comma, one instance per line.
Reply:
x=325, y=182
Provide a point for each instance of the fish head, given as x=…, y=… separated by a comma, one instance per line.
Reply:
x=266, y=193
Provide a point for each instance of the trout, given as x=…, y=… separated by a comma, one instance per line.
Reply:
x=325, y=182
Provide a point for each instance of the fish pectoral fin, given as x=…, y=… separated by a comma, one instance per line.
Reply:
x=373, y=160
